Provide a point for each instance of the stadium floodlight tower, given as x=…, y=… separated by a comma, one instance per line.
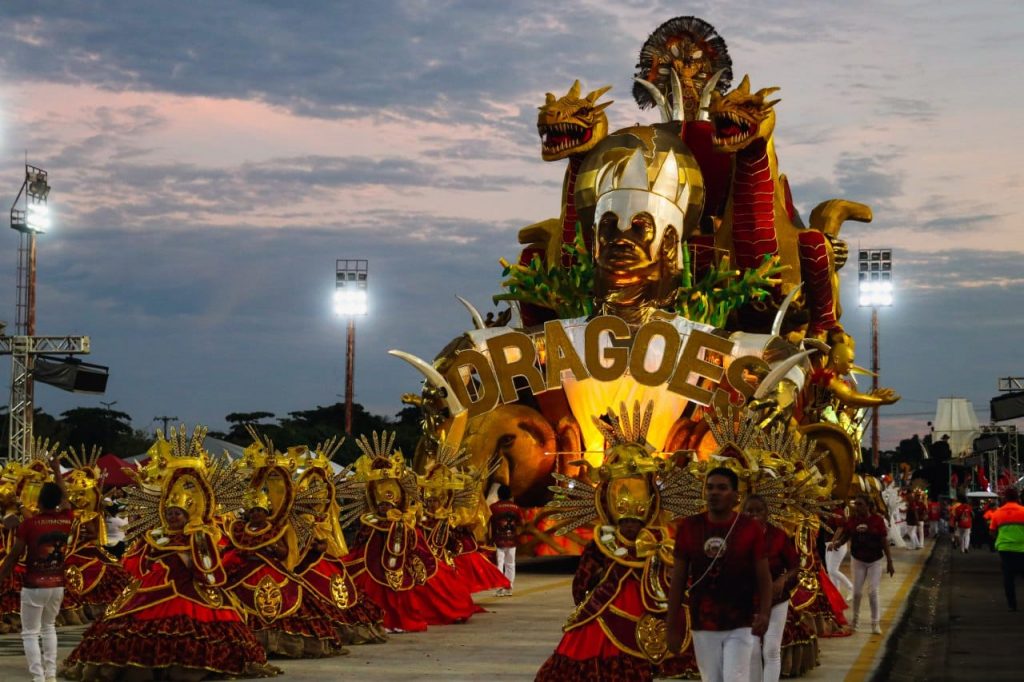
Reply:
x=350, y=301
x=875, y=285
x=30, y=216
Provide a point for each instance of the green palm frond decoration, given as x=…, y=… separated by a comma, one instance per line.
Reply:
x=724, y=289
x=569, y=291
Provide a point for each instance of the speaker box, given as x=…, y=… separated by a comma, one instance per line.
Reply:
x=70, y=374
x=1008, y=406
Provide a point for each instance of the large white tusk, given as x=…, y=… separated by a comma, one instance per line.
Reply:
x=678, y=110
x=659, y=99
x=780, y=371
x=517, y=315
x=434, y=377
x=777, y=324
x=478, y=321
x=705, y=95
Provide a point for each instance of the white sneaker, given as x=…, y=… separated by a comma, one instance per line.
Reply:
x=853, y=625
x=500, y=592
x=876, y=629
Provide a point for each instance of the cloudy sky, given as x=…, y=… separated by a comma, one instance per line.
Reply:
x=210, y=161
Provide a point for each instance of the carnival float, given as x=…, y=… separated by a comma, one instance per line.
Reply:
x=678, y=272
x=677, y=315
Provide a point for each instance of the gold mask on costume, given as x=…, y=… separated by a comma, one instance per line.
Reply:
x=387, y=490
x=629, y=498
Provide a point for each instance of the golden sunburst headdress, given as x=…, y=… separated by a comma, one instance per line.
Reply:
x=316, y=470
x=777, y=464
x=378, y=475
x=787, y=478
x=27, y=478
x=180, y=473
x=271, y=487
x=85, y=479
x=449, y=477
x=629, y=484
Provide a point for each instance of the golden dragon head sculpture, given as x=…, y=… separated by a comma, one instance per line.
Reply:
x=740, y=117
x=571, y=124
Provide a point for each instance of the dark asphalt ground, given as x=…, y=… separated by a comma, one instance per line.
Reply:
x=957, y=626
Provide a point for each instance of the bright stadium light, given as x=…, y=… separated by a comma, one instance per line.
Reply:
x=874, y=278
x=350, y=301
x=37, y=217
x=875, y=294
x=875, y=290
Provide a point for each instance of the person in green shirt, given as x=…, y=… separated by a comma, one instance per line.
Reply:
x=1008, y=525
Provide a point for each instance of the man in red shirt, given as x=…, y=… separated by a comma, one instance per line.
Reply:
x=720, y=557
x=963, y=516
x=43, y=540
x=506, y=518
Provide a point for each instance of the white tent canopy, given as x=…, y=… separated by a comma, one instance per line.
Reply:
x=217, y=448
x=956, y=418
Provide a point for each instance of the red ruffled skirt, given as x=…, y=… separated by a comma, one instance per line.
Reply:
x=586, y=654
x=177, y=632
x=826, y=609
x=10, y=601
x=441, y=601
x=478, y=573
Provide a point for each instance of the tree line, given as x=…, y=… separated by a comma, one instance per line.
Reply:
x=113, y=431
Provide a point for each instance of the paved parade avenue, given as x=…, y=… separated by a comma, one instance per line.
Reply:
x=513, y=638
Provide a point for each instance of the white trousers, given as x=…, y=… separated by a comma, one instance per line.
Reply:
x=766, y=659
x=506, y=559
x=724, y=656
x=917, y=535
x=963, y=537
x=39, y=609
x=833, y=561
x=870, y=573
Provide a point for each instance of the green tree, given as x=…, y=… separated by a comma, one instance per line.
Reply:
x=91, y=426
x=239, y=433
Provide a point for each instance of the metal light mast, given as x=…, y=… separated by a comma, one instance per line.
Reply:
x=350, y=301
x=29, y=217
x=874, y=278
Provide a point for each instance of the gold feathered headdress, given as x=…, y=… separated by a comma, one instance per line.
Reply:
x=180, y=473
x=379, y=475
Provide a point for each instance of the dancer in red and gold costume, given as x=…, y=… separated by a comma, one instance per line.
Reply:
x=391, y=562
x=451, y=498
x=286, y=616
x=617, y=631
x=320, y=568
x=175, y=621
x=93, y=577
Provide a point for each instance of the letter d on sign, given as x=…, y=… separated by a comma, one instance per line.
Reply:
x=460, y=374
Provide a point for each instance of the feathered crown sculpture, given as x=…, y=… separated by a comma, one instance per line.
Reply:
x=623, y=188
